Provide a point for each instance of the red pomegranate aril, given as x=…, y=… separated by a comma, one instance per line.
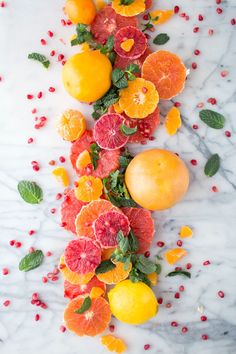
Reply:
x=31, y=232
x=181, y=288
x=52, y=162
x=183, y=14
x=224, y=73
x=56, y=271
x=60, y=57
x=31, y=249
x=200, y=18
x=63, y=224
x=6, y=303
x=63, y=22
x=33, y=302
x=168, y=305
x=174, y=324
x=43, y=306
x=219, y=10
x=233, y=21
x=221, y=294
x=38, y=302
x=30, y=140
x=34, y=110
x=212, y=100
x=160, y=300
x=58, y=196
x=147, y=254
x=53, y=210
x=177, y=104
x=214, y=189
x=195, y=126
x=194, y=162
x=51, y=89
x=176, y=9
x=5, y=271
x=160, y=244
x=48, y=254
x=52, y=53
x=205, y=337
x=2, y=4
x=218, y=2
x=178, y=268
x=30, y=97
x=177, y=295
x=203, y=318
x=194, y=66
x=62, y=159
x=69, y=23
x=50, y=33
x=188, y=266
x=18, y=244
x=146, y=346
x=63, y=62
x=40, y=94
x=206, y=263
x=12, y=242
x=62, y=329
x=37, y=317
x=44, y=279
x=43, y=41
x=210, y=32
x=35, y=296
x=55, y=278
x=184, y=329
x=179, y=243
x=36, y=168
x=151, y=138
x=197, y=52
x=228, y=134
x=145, y=17
x=111, y=328
x=196, y=29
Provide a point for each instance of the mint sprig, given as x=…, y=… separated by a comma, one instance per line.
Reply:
x=127, y=131
x=161, y=39
x=179, y=272
x=95, y=149
x=30, y=192
x=82, y=35
x=31, y=261
x=85, y=306
x=104, y=267
x=40, y=58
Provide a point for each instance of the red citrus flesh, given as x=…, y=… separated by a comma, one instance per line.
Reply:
x=140, y=42
x=71, y=291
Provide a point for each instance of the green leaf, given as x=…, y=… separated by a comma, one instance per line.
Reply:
x=85, y=306
x=83, y=35
x=112, y=57
x=130, y=70
x=123, y=242
x=127, y=130
x=135, y=276
x=158, y=268
x=41, y=58
x=108, y=47
x=126, y=2
x=212, y=165
x=114, y=178
x=212, y=119
x=30, y=192
x=94, y=149
x=31, y=261
x=104, y=267
x=179, y=272
x=161, y=38
x=145, y=265
x=133, y=242
x=101, y=106
x=125, y=159
x=118, y=78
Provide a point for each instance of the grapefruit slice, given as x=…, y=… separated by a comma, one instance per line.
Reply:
x=142, y=225
x=73, y=277
x=166, y=71
x=108, y=160
x=107, y=226
x=122, y=63
x=71, y=291
x=107, y=22
x=70, y=207
x=139, y=46
x=88, y=214
x=107, y=132
x=92, y=322
x=82, y=255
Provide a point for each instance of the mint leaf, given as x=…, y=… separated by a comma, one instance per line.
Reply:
x=30, y=192
x=104, y=267
x=145, y=265
x=114, y=178
x=212, y=119
x=133, y=242
x=179, y=272
x=101, y=106
x=158, y=268
x=41, y=58
x=161, y=38
x=83, y=35
x=108, y=47
x=118, y=78
x=94, y=149
x=123, y=242
x=126, y=2
x=130, y=70
x=85, y=306
x=212, y=165
x=135, y=276
x=31, y=261
x=127, y=130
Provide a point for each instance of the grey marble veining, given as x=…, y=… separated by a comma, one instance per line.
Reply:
x=211, y=215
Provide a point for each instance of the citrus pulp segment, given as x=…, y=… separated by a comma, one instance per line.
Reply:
x=139, y=46
x=113, y=344
x=71, y=125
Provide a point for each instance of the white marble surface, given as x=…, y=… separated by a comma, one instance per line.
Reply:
x=212, y=215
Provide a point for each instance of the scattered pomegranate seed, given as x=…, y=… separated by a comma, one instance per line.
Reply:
x=55, y=278
x=51, y=89
x=200, y=105
x=31, y=249
x=218, y=2
x=196, y=29
x=63, y=62
x=228, y=134
x=203, y=318
x=210, y=32
x=53, y=210
x=233, y=21
x=18, y=244
x=31, y=232
x=60, y=57
x=200, y=17
x=221, y=294
x=43, y=306
x=168, y=305
x=188, y=266
x=197, y=52
x=177, y=295
x=206, y=263
x=184, y=329
x=174, y=324
x=187, y=18
x=146, y=346
x=30, y=140
x=183, y=14
x=63, y=224
x=56, y=271
x=176, y=9
x=63, y=22
x=195, y=126
x=62, y=329
x=52, y=53
x=205, y=337
x=144, y=90
x=179, y=243
x=111, y=328
x=224, y=73
x=52, y=162
x=194, y=66
x=5, y=271
x=62, y=159
x=6, y=303
x=35, y=296
x=44, y=279
x=40, y=95
x=69, y=22
x=178, y=268
x=219, y=10
x=38, y=302
x=160, y=244
x=43, y=41
x=212, y=100
x=151, y=138
x=143, y=142
x=147, y=254
x=34, y=110
x=160, y=300
x=30, y=97
x=50, y=33
x=194, y=162
x=48, y=254
x=145, y=17
x=37, y=317
x=58, y=196
x=181, y=288
x=12, y=242
x=214, y=189
x=42, y=121
x=177, y=104
x=3, y=4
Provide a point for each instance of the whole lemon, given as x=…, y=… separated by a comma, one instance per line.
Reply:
x=80, y=11
x=157, y=179
x=87, y=75
x=132, y=303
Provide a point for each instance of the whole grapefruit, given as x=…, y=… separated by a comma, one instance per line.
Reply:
x=157, y=179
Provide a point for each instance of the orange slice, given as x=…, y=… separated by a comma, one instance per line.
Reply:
x=117, y=274
x=139, y=99
x=73, y=277
x=133, y=9
x=117, y=108
x=185, y=232
x=89, y=188
x=163, y=16
x=173, y=121
x=96, y=292
x=71, y=125
x=127, y=45
x=174, y=255
x=62, y=176
x=107, y=252
x=113, y=344
x=100, y=4
x=153, y=277
x=83, y=160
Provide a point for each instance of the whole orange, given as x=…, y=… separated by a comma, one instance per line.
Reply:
x=157, y=179
x=80, y=11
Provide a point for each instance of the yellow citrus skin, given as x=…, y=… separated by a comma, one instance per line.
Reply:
x=87, y=76
x=80, y=11
x=132, y=303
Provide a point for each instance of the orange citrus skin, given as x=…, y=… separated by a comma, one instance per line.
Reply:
x=87, y=76
x=157, y=179
x=133, y=9
x=174, y=255
x=80, y=11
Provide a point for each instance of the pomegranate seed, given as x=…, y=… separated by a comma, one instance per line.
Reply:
x=160, y=243
x=174, y=324
x=203, y=318
x=224, y=73
x=195, y=126
x=43, y=42
x=3, y=4
x=221, y=294
x=63, y=22
x=212, y=100
x=178, y=268
x=35, y=296
x=200, y=105
x=205, y=337
x=146, y=346
x=160, y=300
x=210, y=32
x=181, y=288
x=111, y=328
x=37, y=317
x=206, y=263
x=12, y=242
x=218, y=2
x=40, y=94
x=30, y=140
x=194, y=66
x=56, y=271
x=31, y=232
x=30, y=97
x=196, y=29
x=228, y=134
x=144, y=90
x=36, y=168
x=179, y=243
x=63, y=62
x=60, y=57
x=176, y=9
x=52, y=53
x=187, y=18
x=214, y=189
x=55, y=278
x=62, y=159
x=5, y=271
x=177, y=104
x=50, y=33
x=69, y=22
x=31, y=249
x=145, y=17
x=34, y=110
x=43, y=306
x=168, y=305
x=147, y=254
x=200, y=18
x=184, y=329
x=188, y=266
x=194, y=162
x=219, y=10
x=62, y=329
x=52, y=162
x=6, y=303
x=183, y=14
x=38, y=302
x=177, y=295
x=151, y=138
x=58, y=196
x=33, y=302
x=44, y=279
x=197, y=52
x=63, y=224
x=18, y=244
x=233, y=21
x=51, y=89
x=48, y=254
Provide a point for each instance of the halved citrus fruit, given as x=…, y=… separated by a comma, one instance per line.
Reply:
x=173, y=121
x=62, y=176
x=174, y=255
x=122, y=63
x=92, y=322
x=163, y=16
x=70, y=208
x=71, y=125
x=132, y=9
x=107, y=226
x=139, y=99
x=117, y=274
x=186, y=231
x=108, y=160
x=113, y=344
x=71, y=291
x=88, y=214
x=107, y=22
x=142, y=225
x=89, y=188
x=166, y=71
x=82, y=255
x=139, y=42
x=73, y=277
x=107, y=132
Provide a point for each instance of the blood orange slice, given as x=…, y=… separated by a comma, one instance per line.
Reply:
x=142, y=225
x=88, y=214
x=139, y=46
x=107, y=226
x=107, y=22
x=107, y=132
x=70, y=207
x=73, y=277
x=92, y=322
x=122, y=63
x=166, y=71
x=82, y=255
x=108, y=160
x=71, y=291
